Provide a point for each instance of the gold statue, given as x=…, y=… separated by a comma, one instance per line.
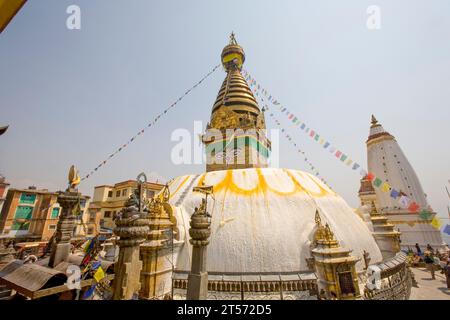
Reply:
x=74, y=178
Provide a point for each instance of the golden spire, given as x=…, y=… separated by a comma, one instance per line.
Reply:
x=232, y=38
x=374, y=121
x=73, y=177
x=323, y=233
x=235, y=106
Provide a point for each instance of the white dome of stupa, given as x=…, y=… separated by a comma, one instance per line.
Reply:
x=263, y=220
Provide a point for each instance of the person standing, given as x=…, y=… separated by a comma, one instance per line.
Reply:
x=429, y=261
x=447, y=273
x=419, y=252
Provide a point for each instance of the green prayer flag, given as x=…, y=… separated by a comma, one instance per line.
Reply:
x=377, y=182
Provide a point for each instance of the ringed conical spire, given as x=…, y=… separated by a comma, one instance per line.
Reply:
x=235, y=106
x=236, y=110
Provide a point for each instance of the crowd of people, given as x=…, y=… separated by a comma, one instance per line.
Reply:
x=435, y=260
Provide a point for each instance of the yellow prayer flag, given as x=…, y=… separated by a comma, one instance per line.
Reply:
x=321, y=141
x=349, y=162
x=99, y=274
x=385, y=187
x=436, y=222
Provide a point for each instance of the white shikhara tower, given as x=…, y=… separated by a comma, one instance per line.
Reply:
x=387, y=161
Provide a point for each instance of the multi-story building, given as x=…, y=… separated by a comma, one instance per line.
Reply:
x=3, y=189
x=32, y=214
x=108, y=200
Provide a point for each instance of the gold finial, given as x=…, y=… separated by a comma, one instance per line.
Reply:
x=374, y=121
x=165, y=194
x=317, y=218
x=74, y=178
x=232, y=38
x=323, y=233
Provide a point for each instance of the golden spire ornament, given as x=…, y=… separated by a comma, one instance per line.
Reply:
x=74, y=178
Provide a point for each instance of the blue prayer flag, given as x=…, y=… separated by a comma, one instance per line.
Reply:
x=89, y=292
x=394, y=194
x=447, y=229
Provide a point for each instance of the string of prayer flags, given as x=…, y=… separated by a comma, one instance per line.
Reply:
x=404, y=201
x=311, y=166
x=150, y=124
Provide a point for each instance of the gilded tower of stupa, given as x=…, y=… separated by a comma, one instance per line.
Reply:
x=235, y=136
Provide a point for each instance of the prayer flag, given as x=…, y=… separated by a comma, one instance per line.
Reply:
x=377, y=182
x=413, y=207
x=326, y=145
x=302, y=126
x=362, y=173
x=89, y=292
x=338, y=154
x=96, y=265
x=99, y=274
x=447, y=229
x=370, y=176
x=436, y=222
x=424, y=214
x=404, y=201
x=312, y=133
x=394, y=194
x=385, y=187
x=332, y=149
x=316, y=137
x=344, y=157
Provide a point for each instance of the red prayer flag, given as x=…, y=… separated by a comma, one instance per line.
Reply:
x=413, y=207
x=370, y=176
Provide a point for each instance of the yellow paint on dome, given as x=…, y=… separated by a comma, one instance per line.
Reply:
x=250, y=182
x=179, y=187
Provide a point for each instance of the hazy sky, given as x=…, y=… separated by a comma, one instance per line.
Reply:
x=74, y=96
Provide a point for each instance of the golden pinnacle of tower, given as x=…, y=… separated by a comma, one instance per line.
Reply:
x=235, y=105
x=233, y=55
x=73, y=177
x=374, y=121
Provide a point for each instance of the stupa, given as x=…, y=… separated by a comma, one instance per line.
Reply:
x=263, y=220
x=387, y=161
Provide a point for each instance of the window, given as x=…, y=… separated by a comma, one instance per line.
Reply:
x=52, y=227
x=124, y=192
x=27, y=198
x=150, y=193
x=82, y=203
x=23, y=212
x=110, y=194
x=90, y=230
x=20, y=225
x=55, y=213
x=117, y=193
x=92, y=217
x=107, y=214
